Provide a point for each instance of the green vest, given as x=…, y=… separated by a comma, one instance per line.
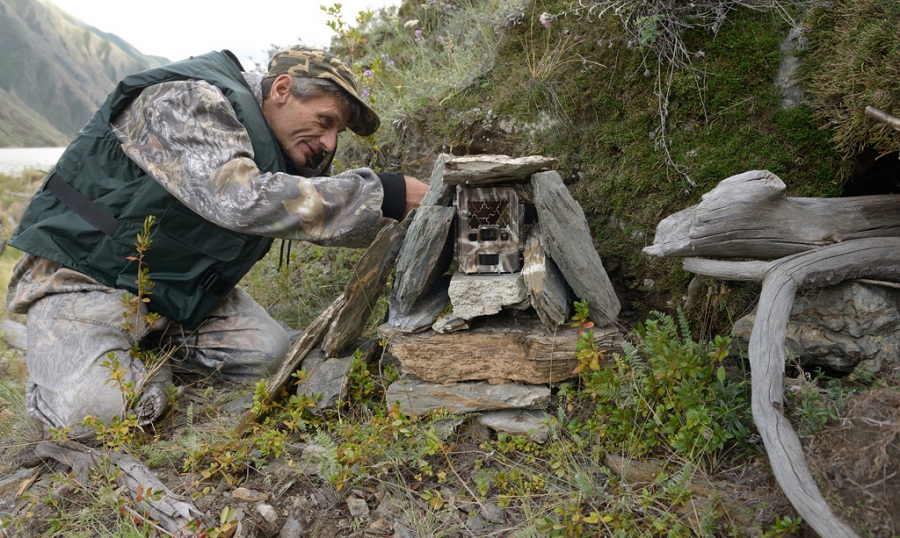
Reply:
x=192, y=262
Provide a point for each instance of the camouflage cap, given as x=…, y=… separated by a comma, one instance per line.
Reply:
x=302, y=61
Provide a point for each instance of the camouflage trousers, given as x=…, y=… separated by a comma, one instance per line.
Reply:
x=70, y=336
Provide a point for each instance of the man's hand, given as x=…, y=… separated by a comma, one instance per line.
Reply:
x=415, y=192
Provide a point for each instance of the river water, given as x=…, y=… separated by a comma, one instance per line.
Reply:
x=14, y=160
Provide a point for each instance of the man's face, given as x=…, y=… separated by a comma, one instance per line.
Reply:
x=305, y=128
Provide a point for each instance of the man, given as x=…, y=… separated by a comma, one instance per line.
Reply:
x=225, y=161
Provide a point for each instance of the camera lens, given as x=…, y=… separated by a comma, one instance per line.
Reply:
x=489, y=234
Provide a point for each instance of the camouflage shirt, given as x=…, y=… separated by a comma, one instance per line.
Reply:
x=186, y=136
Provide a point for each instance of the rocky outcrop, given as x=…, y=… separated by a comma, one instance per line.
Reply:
x=841, y=327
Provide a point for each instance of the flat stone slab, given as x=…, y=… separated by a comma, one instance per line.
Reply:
x=330, y=377
x=416, y=396
x=424, y=312
x=488, y=169
x=425, y=255
x=450, y=323
x=365, y=286
x=546, y=286
x=483, y=295
x=497, y=348
x=567, y=239
x=527, y=423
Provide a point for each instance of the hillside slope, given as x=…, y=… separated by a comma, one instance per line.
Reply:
x=54, y=72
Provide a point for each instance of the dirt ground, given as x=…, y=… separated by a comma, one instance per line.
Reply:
x=857, y=459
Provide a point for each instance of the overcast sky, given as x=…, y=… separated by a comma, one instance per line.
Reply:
x=177, y=29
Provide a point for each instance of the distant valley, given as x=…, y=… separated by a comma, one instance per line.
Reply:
x=55, y=71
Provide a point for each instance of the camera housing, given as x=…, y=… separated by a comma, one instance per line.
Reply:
x=490, y=226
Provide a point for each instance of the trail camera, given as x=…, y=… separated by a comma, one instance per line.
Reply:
x=490, y=222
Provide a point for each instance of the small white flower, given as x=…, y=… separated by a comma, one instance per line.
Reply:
x=410, y=24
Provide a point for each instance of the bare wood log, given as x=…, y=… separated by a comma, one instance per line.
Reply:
x=748, y=216
x=172, y=511
x=879, y=258
x=723, y=270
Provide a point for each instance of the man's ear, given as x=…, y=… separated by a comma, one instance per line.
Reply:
x=281, y=89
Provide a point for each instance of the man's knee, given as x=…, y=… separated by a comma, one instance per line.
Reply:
x=71, y=339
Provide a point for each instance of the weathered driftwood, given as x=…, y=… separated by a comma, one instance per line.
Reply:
x=567, y=239
x=748, y=216
x=883, y=117
x=495, y=350
x=172, y=512
x=365, y=287
x=876, y=258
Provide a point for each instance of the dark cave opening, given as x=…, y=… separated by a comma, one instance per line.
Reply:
x=874, y=175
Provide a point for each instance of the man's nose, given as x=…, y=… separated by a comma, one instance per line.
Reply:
x=329, y=140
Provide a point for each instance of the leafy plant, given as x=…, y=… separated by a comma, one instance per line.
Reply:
x=678, y=395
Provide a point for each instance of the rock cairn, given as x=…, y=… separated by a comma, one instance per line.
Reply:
x=494, y=342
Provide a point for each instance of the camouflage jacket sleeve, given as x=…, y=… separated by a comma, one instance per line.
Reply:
x=186, y=136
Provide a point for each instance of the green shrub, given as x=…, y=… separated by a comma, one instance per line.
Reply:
x=669, y=391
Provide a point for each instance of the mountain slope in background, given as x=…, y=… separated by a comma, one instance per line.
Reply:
x=54, y=72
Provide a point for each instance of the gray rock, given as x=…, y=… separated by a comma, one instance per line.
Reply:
x=357, y=507
x=239, y=405
x=424, y=312
x=567, y=239
x=15, y=334
x=367, y=282
x=450, y=323
x=841, y=327
x=386, y=507
x=292, y=529
x=493, y=513
x=483, y=295
x=400, y=531
x=248, y=495
x=487, y=169
x=439, y=193
x=475, y=523
x=529, y=423
x=425, y=255
x=268, y=512
x=547, y=289
x=329, y=377
x=446, y=427
x=417, y=396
